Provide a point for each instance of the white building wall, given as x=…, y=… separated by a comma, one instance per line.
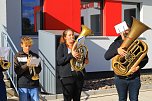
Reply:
x=2, y=16
x=3, y=12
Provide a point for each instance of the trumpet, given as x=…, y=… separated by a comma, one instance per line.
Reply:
x=32, y=67
x=4, y=63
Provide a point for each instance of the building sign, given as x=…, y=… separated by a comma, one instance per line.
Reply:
x=90, y=5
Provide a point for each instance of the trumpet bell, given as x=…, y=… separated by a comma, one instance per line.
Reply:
x=5, y=64
x=35, y=77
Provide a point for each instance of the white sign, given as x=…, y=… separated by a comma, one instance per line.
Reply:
x=121, y=27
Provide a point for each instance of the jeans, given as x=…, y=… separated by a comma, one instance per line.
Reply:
x=3, y=96
x=128, y=85
x=28, y=94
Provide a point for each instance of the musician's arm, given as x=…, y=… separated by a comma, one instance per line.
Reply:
x=61, y=57
x=87, y=59
x=111, y=52
x=144, y=61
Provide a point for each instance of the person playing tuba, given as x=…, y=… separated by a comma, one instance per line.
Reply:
x=27, y=87
x=130, y=83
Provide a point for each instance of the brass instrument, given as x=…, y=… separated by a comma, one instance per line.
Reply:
x=32, y=67
x=4, y=64
x=136, y=50
x=78, y=64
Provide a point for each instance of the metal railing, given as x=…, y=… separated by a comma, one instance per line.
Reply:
x=47, y=75
x=47, y=52
x=6, y=41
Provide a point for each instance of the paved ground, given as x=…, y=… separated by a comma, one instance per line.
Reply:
x=111, y=95
x=145, y=95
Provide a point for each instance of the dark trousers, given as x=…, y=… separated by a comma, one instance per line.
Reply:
x=127, y=85
x=3, y=96
x=72, y=86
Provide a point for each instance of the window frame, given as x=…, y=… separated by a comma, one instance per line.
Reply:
x=41, y=18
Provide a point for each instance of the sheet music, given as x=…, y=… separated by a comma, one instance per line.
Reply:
x=121, y=27
x=4, y=51
x=34, y=61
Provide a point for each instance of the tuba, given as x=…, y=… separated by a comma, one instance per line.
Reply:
x=78, y=64
x=136, y=50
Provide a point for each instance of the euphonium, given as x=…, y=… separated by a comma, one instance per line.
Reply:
x=32, y=67
x=136, y=50
x=4, y=64
x=78, y=64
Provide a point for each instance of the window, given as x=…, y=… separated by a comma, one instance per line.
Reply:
x=82, y=20
x=31, y=17
x=92, y=15
x=95, y=24
x=128, y=10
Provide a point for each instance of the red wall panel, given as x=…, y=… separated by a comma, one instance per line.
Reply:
x=112, y=15
x=62, y=14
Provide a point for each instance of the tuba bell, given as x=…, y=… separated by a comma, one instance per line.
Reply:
x=78, y=64
x=136, y=50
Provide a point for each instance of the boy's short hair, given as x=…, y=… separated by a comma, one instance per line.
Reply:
x=27, y=40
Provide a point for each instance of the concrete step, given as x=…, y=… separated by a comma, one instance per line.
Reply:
x=14, y=98
x=10, y=92
x=52, y=97
x=7, y=83
x=5, y=75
